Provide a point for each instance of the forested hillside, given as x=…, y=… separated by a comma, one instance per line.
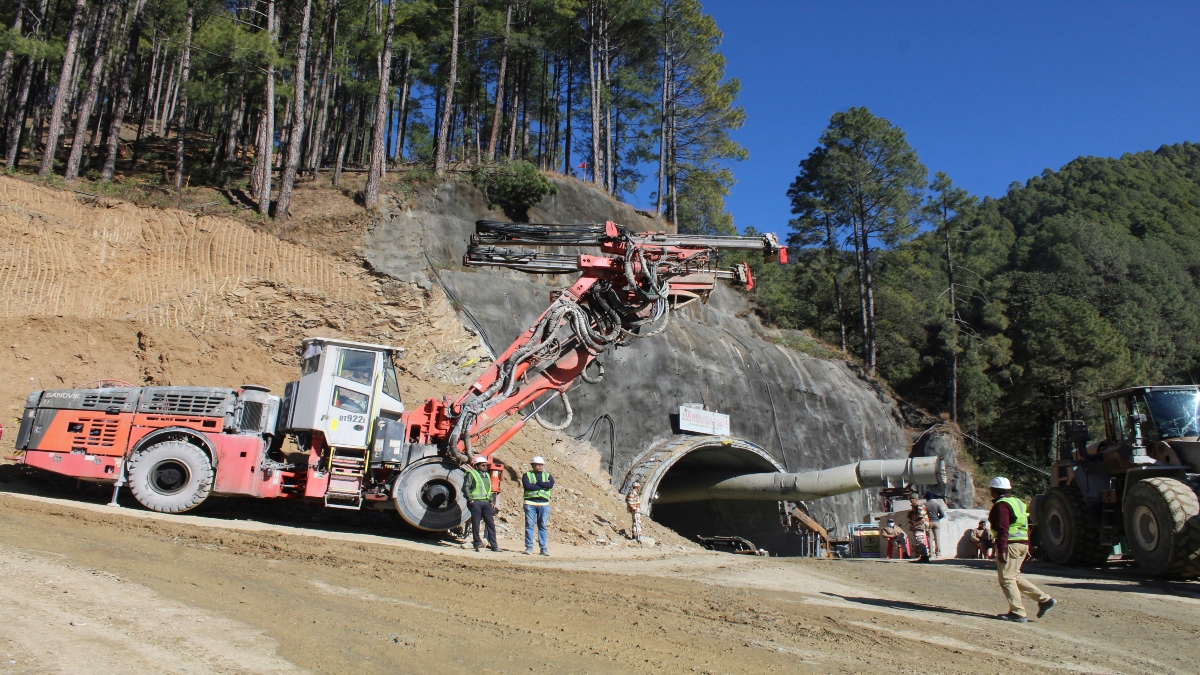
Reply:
x=1009, y=313
x=267, y=92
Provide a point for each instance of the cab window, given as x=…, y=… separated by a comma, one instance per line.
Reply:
x=349, y=400
x=356, y=365
x=390, y=386
x=311, y=360
x=1120, y=418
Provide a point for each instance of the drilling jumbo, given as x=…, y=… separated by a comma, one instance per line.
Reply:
x=174, y=447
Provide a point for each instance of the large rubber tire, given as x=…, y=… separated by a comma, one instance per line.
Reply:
x=1162, y=525
x=1065, y=534
x=170, y=477
x=429, y=496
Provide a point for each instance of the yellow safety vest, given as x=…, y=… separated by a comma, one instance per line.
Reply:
x=1018, y=529
x=481, y=485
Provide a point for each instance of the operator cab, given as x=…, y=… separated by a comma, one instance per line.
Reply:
x=1145, y=425
x=344, y=386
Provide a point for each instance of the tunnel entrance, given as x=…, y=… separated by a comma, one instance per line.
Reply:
x=680, y=457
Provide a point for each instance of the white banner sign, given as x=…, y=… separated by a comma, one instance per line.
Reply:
x=703, y=422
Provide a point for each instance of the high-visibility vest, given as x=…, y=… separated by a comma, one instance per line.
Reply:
x=1018, y=529
x=481, y=487
x=537, y=478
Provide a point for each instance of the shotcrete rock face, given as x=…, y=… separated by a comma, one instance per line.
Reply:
x=803, y=413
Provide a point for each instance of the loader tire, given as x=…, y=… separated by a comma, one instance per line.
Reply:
x=1065, y=533
x=1162, y=524
x=170, y=477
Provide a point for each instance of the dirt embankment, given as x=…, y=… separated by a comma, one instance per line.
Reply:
x=107, y=289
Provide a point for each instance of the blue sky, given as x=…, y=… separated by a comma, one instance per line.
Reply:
x=987, y=92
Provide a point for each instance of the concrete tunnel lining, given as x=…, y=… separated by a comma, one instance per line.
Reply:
x=679, y=455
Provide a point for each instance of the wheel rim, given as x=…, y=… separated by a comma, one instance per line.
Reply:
x=169, y=477
x=1145, y=528
x=438, y=494
x=1056, y=528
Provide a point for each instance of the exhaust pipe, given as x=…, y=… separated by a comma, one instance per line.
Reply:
x=776, y=487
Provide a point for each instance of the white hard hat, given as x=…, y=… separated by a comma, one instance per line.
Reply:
x=480, y=459
x=1000, y=483
x=537, y=460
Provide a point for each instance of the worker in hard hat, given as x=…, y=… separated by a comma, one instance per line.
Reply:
x=477, y=485
x=1010, y=529
x=633, y=504
x=537, y=483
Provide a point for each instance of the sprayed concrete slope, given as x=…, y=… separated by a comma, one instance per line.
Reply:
x=808, y=413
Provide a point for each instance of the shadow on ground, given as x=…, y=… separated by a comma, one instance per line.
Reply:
x=293, y=513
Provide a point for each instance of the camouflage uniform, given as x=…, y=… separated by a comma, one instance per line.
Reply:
x=633, y=502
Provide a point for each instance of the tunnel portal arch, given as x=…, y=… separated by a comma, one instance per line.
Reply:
x=682, y=455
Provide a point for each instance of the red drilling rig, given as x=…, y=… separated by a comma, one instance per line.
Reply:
x=175, y=446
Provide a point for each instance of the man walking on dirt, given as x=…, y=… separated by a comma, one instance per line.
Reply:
x=1010, y=529
x=537, y=484
x=477, y=484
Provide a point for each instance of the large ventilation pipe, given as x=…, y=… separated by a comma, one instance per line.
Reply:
x=775, y=487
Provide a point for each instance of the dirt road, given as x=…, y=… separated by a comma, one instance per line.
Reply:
x=88, y=588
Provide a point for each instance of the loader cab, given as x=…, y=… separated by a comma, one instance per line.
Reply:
x=1154, y=421
x=344, y=387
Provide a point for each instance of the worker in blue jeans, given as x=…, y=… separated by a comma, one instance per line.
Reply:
x=538, y=484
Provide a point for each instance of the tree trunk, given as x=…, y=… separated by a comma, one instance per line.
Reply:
x=953, y=322
x=296, y=137
x=662, y=125
x=869, y=350
x=263, y=159
x=567, y=140
x=158, y=64
x=124, y=90
x=832, y=255
x=235, y=127
x=439, y=161
x=514, y=111
x=93, y=90
x=341, y=150
x=17, y=125
x=594, y=83
x=6, y=64
x=404, y=87
x=318, y=145
x=66, y=88
x=185, y=67
x=494, y=135
x=378, y=130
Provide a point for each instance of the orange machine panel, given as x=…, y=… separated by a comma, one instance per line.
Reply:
x=156, y=421
x=75, y=464
x=87, y=432
x=239, y=459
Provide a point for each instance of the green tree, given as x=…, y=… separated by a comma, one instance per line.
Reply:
x=867, y=177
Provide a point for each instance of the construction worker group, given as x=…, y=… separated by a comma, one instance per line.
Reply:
x=481, y=500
